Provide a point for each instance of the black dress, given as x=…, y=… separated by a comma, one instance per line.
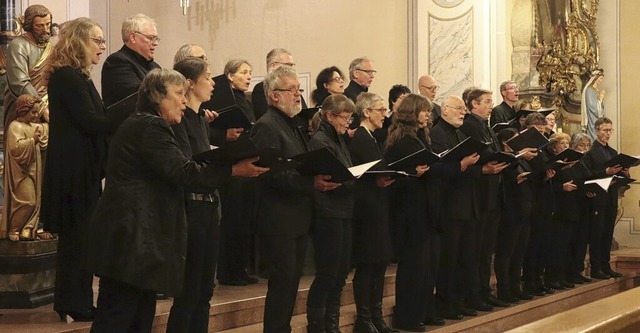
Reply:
x=71, y=187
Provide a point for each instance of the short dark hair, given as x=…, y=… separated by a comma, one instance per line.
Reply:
x=475, y=95
x=602, y=120
x=191, y=68
x=154, y=88
x=320, y=93
x=395, y=92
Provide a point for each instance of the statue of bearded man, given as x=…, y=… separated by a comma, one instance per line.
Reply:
x=26, y=58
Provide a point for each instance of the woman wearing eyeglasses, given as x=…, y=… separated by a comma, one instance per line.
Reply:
x=330, y=81
x=75, y=162
x=331, y=226
x=411, y=212
x=371, y=233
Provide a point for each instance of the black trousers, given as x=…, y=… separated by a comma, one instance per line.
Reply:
x=331, y=239
x=123, y=308
x=510, y=251
x=415, y=280
x=458, y=262
x=73, y=291
x=284, y=257
x=578, y=248
x=237, y=221
x=190, y=311
x=601, y=227
x=533, y=265
x=557, y=251
x=368, y=281
x=487, y=232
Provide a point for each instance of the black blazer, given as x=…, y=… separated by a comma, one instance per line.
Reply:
x=122, y=74
x=488, y=189
x=594, y=160
x=285, y=199
x=502, y=113
x=457, y=187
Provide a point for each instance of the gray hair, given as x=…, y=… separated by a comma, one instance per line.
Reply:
x=274, y=54
x=154, y=88
x=273, y=79
x=135, y=23
x=183, y=53
x=366, y=101
x=577, y=138
x=355, y=65
x=233, y=66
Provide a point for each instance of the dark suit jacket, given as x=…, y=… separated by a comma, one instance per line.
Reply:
x=457, y=187
x=436, y=112
x=488, y=189
x=594, y=160
x=224, y=95
x=285, y=204
x=122, y=74
x=502, y=113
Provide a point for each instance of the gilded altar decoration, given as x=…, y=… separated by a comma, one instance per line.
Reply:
x=571, y=47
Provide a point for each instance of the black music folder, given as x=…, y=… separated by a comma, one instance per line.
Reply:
x=322, y=162
x=529, y=138
x=238, y=150
x=231, y=117
x=499, y=127
x=603, y=185
x=420, y=157
x=500, y=157
x=565, y=158
x=308, y=113
x=465, y=148
x=119, y=111
x=624, y=160
x=388, y=173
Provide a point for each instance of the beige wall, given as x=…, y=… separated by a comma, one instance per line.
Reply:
x=318, y=33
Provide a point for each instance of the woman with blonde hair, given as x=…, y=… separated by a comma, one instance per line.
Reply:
x=75, y=163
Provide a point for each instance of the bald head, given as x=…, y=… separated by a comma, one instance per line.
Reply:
x=453, y=110
x=428, y=87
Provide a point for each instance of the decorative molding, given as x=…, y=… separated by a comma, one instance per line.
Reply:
x=448, y=3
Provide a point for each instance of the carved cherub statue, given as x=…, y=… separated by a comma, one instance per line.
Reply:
x=25, y=139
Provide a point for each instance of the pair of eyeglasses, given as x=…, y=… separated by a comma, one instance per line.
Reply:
x=99, y=41
x=369, y=72
x=291, y=90
x=346, y=118
x=151, y=38
x=459, y=108
x=290, y=64
x=337, y=79
x=432, y=88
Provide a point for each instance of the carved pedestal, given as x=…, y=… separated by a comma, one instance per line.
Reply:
x=27, y=273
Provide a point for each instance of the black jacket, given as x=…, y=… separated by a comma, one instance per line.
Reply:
x=502, y=113
x=122, y=74
x=285, y=204
x=138, y=232
x=337, y=203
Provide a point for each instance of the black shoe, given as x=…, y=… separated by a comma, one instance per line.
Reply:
x=522, y=295
x=575, y=280
x=434, y=321
x=451, y=315
x=161, y=296
x=613, y=273
x=235, y=282
x=70, y=317
x=468, y=312
x=478, y=306
x=567, y=285
x=554, y=285
x=418, y=327
x=251, y=279
x=508, y=298
x=600, y=275
x=584, y=278
x=493, y=301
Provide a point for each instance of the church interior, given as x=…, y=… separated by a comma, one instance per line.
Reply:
x=548, y=47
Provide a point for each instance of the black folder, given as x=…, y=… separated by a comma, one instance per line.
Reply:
x=566, y=157
x=624, y=160
x=388, y=173
x=603, y=185
x=500, y=157
x=529, y=138
x=231, y=117
x=119, y=111
x=238, y=150
x=308, y=113
x=420, y=157
x=465, y=148
x=322, y=162
x=500, y=126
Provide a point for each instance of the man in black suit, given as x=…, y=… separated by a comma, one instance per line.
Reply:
x=603, y=207
x=123, y=71
x=286, y=203
x=428, y=88
x=504, y=112
x=275, y=58
x=475, y=125
x=361, y=74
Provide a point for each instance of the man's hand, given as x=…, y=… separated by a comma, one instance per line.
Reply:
x=382, y=181
x=469, y=160
x=612, y=170
x=322, y=183
x=246, y=168
x=493, y=167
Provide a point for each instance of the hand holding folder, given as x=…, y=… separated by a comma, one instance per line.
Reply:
x=323, y=162
x=231, y=117
x=529, y=138
x=624, y=160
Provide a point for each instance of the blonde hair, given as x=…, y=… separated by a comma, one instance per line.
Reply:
x=73, y=48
